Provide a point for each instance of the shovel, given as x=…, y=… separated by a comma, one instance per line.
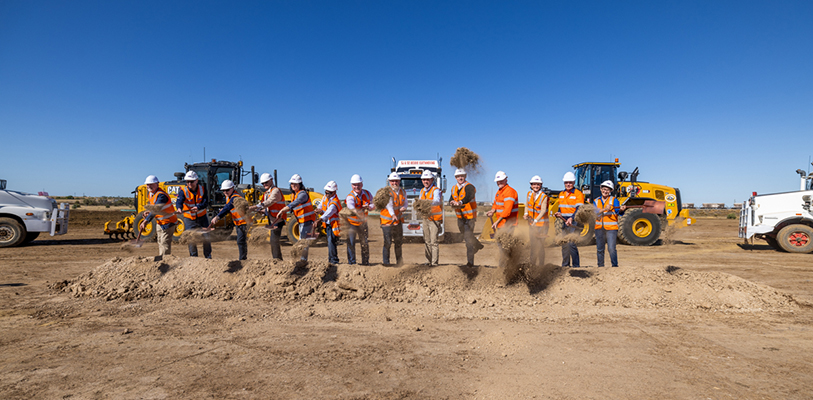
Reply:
x=137, y=242
x=651, y=206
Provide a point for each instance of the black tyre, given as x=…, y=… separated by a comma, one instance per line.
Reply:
x=587, y=236
x=149, y=230
x=30, y=236
x=796, y=238
x=12, y=233
x=773, y=243
x=293, y=231
x=638, y=228
x=179, y=229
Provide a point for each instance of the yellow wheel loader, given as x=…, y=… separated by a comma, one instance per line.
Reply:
x=650, y=207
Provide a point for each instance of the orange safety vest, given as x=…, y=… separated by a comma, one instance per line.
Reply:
x=398, y=201
x=437, y=211
x=273, y=209
x=537, y=208
x=505, y=198
x=333, y=220
x=361, y=203
x=304, y=212
x=235, y=217
x=190, y=200
x=609, y=221
x=469, y=210
x=569, y=201
x=168, y=211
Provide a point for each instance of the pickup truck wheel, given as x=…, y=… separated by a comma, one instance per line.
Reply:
x=796, y=238
x=11, y=232
x=30, y=236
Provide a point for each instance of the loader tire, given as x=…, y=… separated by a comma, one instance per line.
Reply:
x=12, y=233
x=638, y=228
x=796, y=238
x=149, y=230
x=586, y=237
x=293, y=231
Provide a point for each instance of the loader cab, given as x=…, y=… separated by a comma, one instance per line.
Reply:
x=590, y=175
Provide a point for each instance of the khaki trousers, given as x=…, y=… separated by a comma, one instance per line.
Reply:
x=430, y=240
x=164, y=237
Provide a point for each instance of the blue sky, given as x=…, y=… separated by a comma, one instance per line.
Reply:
x=715, y=98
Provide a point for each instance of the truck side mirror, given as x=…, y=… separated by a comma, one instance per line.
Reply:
x=622, y=175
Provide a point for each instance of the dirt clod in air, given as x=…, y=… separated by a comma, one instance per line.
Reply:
x=512, y=252
x=154, y=209
x=586, y=214
x=423, y=207
x=258, y=234
x=193, y=236
x=241, y=206
x=465, y=159
x=381, y=198
x=300, y=247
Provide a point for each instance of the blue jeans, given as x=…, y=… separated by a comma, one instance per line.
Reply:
x=357, y=234
x=570, y=252
x=201, y=222
x=305, y=229
x=611, y=238
x=242, y=247
x=332, y=246
x=392, y=233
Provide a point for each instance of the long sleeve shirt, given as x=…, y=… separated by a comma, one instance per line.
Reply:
x=201, y=205
x=301, y=198
x=331, y=210
x=161, y=199
x=470, y=192
x=275, y=197
x=227, y=208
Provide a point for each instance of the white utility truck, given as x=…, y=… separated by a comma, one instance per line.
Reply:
x=410, y=172
x=784, y=220
x=23, y=216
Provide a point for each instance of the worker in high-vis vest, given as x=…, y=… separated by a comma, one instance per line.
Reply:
x=536, y=213
x=569, y=201
x=302, y=209
x=464, y=204
x=391, y=220
x=506, y=209
x=271, y=204
x=192, y=200
x=359, y=202
x=608, y=209
x=166, y=218
x=240, y=221
x=328, y=212
x=431, y=224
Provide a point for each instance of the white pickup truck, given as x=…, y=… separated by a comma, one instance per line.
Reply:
x=784, y=220
x=23, y=216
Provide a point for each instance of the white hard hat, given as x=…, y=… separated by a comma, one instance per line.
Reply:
x=190, y=176
x=295, y=178
x=332, y=186
x=536, y=179
x=226, y=185
x=459, y=171
x=608, y=184
x=501, y=176
x=569, y=177
x=151, y=179
x=427, y=174
x=356, y=178
x=393, y=177
x=265, y=177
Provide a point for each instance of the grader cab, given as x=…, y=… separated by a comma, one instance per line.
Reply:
x=211, y=175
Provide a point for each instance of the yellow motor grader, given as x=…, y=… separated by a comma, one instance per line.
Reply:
x=211, y=175
x=650, y=207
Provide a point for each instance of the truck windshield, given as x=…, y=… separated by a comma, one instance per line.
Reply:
x=411, y=184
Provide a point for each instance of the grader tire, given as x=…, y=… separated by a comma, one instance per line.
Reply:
x=149, y=230
x=638, y=228
x=796, y=238
x=179, y=229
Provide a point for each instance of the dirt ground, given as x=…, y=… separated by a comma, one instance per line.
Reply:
x=81, y=317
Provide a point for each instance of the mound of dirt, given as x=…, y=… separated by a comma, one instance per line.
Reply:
x=465, y=159
x=381, y=198
x=194, y=236
x=445, y=287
